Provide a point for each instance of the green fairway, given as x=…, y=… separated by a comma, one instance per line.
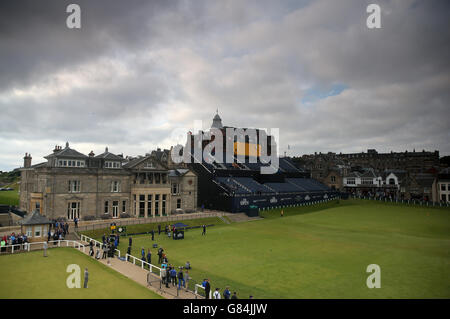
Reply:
x=321, y=252
x=10, y=197
x=30, y=275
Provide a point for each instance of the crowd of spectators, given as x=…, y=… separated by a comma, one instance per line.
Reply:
x=19, y=240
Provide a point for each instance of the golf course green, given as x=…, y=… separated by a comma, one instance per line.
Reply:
x=30, y=275
x=319, y=251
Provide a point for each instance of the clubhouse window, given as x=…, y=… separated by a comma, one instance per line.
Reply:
x=29, y=232
x=149, y=165
x=175, y=189
x=333, y=179
x=115, y=186
x=74, y=186
x=443, y=187
x=124, y=206
x=157, y=178
x=163, y=209
x=156, y=204
x=71, y=163
x=106, y=207
x=115, y=208
x=164, y=178
x=109, y=164
x=141, y=205
x=444, y=197
x=73, y=210
x=179, y=203
x=149, y=205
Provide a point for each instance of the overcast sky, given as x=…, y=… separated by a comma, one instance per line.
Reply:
x=136, y=70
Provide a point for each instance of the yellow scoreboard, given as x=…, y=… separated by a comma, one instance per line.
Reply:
x=247, y=149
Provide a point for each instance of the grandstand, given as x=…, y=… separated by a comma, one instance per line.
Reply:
x=236, y=186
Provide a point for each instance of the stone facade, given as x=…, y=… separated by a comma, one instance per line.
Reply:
x=71, y=184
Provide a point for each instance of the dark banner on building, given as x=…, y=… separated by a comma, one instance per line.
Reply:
x=243, y=203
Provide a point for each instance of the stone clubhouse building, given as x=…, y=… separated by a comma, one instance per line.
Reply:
x=74, y=185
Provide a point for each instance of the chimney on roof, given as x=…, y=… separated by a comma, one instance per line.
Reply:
x=91, y=154
x=57, y=149
x=27, y=160
x=67, y=144
x=106, y=149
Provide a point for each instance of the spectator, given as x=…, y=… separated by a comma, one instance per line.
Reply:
x=149, y=257
x=186, y=279
x=129, y=251
x=86, y=277
x=91, y=248
x=226, y=293
x=3, y=244
x=104, y=251
x=234, y=296
x=45, y=248
x=207, y=289
x=143, y=253
x=216, y=294
x=173, y=276
x=163, y=274
x=188, y=265
x=167, y=278
x=181, y=278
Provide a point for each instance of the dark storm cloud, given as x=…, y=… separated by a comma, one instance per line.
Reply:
x=36, y=40
x=138, y=69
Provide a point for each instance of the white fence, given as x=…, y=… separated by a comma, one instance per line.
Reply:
x=143, y=264
x=201, y=287
x=28, y=246
x=127, y=256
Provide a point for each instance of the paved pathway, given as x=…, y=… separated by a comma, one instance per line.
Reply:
x=139, y=275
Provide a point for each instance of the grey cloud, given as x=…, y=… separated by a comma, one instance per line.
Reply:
x=180, y=60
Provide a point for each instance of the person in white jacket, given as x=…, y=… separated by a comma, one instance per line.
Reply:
x=216, y=294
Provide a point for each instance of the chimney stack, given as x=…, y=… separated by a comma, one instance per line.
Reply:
x=27, y=160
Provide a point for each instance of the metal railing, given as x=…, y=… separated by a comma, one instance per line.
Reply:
x=149, y=220
x=402, y=201
x=308, y=203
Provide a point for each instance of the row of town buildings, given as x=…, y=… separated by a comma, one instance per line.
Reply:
x=402, y=175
